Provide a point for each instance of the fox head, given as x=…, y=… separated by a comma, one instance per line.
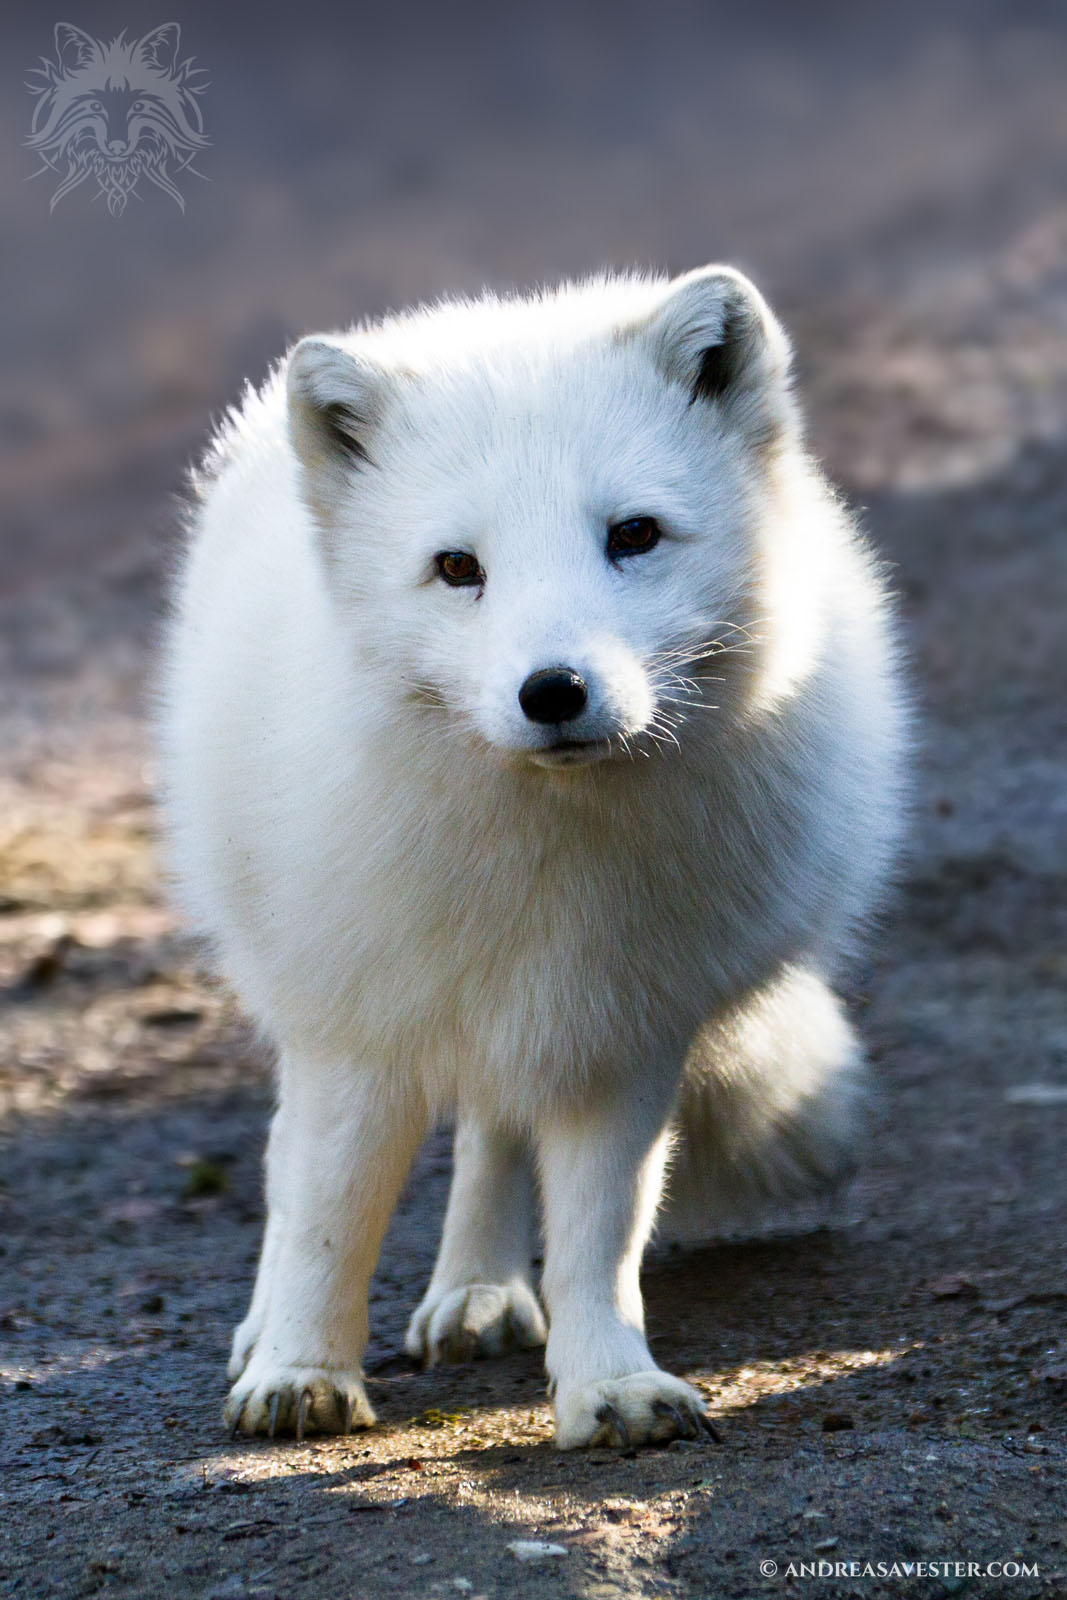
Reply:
x=117, y=112
x=545, y=522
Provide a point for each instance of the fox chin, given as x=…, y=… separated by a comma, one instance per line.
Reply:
x=535, y=751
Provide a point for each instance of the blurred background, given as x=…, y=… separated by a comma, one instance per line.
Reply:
x=894, y=168
x=894, y=177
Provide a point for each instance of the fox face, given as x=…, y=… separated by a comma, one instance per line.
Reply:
x=117, y=112
x=549, y=542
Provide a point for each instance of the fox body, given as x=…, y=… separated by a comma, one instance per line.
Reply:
x=533, y=746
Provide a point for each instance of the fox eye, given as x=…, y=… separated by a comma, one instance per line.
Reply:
x=633, y=537
x=459, y=568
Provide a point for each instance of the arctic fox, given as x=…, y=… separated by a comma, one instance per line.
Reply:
x=533, y=738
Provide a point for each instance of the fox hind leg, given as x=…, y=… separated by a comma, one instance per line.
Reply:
x=481, y=1300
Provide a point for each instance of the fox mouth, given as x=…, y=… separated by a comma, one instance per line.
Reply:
x=571, y=753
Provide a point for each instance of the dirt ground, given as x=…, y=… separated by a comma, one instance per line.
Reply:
x=890, y=1384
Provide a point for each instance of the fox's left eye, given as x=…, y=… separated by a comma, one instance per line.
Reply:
x=633, y=537
x=459, y=568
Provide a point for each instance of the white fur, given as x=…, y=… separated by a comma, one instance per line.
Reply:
x=590, y=954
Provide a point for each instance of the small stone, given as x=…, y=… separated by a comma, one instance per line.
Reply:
x=535, y=1550
x=954, y=1286
x=233, y=1588
x=1037, y=1094
x=205, y=1178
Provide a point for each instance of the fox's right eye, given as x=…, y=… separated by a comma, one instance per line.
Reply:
x=459, y=568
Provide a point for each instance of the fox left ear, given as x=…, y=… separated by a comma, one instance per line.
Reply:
x=716, y=336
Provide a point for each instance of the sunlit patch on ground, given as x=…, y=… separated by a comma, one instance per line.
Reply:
x=758, y=1380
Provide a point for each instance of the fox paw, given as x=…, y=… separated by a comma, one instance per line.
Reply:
x=297, y=1400
x=643, y=1408
x=479, y=1319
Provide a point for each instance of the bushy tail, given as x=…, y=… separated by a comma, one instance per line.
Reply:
x=768, y=1111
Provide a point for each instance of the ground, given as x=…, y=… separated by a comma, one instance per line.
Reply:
x=889, y=1383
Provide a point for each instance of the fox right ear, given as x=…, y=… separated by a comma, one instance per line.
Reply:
x=335, y=399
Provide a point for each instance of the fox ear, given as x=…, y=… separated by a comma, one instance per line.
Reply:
x=75, y=48
x=716, y=336
x=160, y=47
x=335, y=401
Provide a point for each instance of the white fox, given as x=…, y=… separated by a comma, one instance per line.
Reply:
x=534, y=738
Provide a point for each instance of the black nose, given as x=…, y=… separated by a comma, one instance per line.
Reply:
x=555, y=695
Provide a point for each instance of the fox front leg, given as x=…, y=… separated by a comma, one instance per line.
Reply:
x=344, y=1145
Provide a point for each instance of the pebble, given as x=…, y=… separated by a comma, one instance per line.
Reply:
x=535, y=1550
x=232, y=1589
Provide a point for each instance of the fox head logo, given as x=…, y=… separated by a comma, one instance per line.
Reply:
x=117, y=112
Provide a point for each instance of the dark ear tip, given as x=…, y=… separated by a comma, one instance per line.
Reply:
x=345, y=427
x=722, y=363
x=719, y=366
